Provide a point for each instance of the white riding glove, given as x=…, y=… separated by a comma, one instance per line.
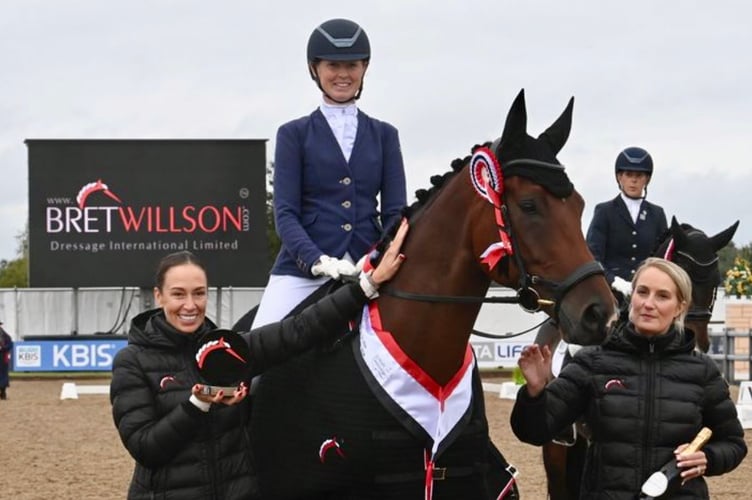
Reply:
x=622, y=286
x=361, y=262
x=332, y=267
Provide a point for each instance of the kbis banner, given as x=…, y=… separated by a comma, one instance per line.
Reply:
x=65, y=355
x=103, y=212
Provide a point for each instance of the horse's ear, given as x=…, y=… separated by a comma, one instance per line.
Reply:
x=722, y=239
x=680, y=238
x=557, y=134
x=515, y=128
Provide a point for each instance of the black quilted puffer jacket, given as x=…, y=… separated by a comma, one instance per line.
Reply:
x=641, y=397
x=180, y=451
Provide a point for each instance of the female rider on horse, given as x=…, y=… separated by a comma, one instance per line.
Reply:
x=625, y=230
x=331, y=168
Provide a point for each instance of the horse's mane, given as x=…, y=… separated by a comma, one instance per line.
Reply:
x=423, y=196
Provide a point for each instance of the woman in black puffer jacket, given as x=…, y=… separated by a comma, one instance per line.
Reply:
x=188, y=445
x=644, y=394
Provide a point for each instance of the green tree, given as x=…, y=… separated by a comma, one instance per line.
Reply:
x=726, y=258
x=15, y=273
x=745, y=252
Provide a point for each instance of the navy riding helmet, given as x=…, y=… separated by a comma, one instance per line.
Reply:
x=634, y=159
x=337, y=40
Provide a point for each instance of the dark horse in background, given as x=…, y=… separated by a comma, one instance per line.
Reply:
x=324, y=428
x=697, y=254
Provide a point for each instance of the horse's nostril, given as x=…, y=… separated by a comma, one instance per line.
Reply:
x=594, y=318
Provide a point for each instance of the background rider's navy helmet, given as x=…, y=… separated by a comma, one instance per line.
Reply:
x=634, y=159
x=338, y=40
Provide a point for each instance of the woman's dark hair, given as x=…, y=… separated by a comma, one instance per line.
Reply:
x=175, y=259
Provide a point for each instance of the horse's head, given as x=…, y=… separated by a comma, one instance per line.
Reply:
x=697, y=254
x=516, y=222
x=537, y=228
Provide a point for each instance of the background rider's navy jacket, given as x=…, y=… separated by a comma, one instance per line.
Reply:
x=324, y=204
x=619, y=244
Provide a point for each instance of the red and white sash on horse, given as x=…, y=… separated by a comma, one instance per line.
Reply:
x=437, y=409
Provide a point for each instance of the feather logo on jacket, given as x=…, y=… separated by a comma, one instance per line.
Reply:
x=614, y=382
x=166, y=380
x=328, y=444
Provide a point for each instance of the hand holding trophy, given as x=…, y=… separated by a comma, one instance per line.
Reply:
x=222, y=362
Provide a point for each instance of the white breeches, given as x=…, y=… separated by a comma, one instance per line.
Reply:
x=282, y=294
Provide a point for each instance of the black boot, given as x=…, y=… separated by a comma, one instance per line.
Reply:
x=2, y=394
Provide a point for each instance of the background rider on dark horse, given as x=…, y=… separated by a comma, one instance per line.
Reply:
x=625, y=230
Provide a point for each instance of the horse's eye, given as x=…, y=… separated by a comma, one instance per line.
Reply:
x=528, y=206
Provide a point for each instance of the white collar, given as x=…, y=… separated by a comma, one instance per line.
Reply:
x=333, y=110
x=633, y=206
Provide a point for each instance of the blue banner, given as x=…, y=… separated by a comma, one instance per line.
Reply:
x=65, y=355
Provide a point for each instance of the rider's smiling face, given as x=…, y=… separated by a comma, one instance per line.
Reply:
x=183, y=297
x=340, y=80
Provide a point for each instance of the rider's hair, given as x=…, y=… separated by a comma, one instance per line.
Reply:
x=175, y=259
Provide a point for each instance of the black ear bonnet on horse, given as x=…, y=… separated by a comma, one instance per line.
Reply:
x=694, y=250
x=531, y=158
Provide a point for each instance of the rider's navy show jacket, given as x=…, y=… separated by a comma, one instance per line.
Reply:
x=620, y=244
x=324, y=204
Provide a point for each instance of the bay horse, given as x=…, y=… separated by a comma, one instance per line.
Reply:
x=395, y=409
x=696, y=253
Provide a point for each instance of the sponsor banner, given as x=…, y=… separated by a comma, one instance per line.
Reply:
x=501, y=319
x=498, y=353
x=103, y=212
x=65, y=355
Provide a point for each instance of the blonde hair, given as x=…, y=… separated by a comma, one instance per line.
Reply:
x=681, y=280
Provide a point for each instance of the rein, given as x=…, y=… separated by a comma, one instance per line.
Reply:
x=465, y=299
x=497, y=336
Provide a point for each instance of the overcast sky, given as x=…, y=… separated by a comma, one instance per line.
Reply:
x=673, y=77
